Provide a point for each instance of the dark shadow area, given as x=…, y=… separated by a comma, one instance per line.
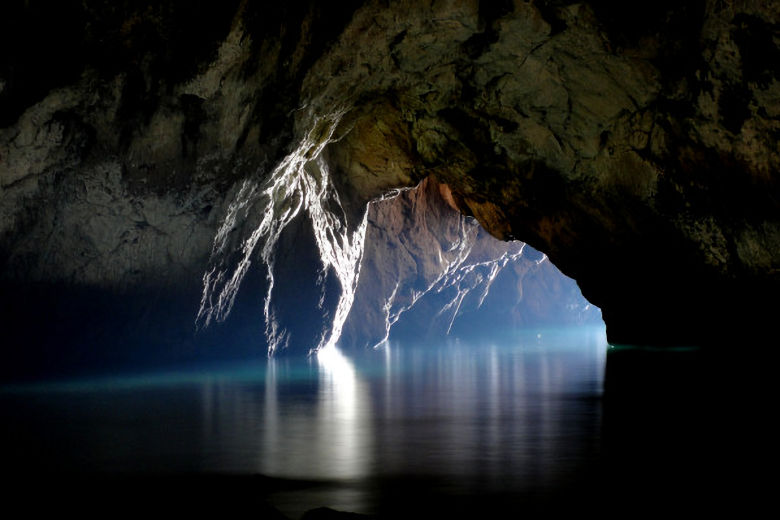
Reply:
x=53, y=331
x=688, y=429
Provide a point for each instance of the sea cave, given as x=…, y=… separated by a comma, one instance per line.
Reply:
x=388, y=259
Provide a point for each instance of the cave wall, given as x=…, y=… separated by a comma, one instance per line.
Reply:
x=635, y=145
x=606, y=137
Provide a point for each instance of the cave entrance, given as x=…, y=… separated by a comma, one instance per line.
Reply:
x=443, y=423
x=428, y=272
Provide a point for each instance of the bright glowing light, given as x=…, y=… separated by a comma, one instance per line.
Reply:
x=343, y=414
x=339, y=377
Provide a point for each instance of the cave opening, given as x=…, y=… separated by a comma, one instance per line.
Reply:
x=450, y=382
x=350, y=353
x=428, y=272
x=193, y=294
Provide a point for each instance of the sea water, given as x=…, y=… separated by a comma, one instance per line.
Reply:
x=445, y=421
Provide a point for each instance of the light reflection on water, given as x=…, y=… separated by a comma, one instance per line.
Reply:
x=322, y=436
x=483, y=417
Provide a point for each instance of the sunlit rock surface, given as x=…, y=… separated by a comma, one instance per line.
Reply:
x=635, y=144
x=428, y=271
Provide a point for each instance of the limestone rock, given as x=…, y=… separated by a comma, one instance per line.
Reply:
x=633, y=143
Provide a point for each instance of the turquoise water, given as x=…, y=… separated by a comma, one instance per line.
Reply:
x=519, y=416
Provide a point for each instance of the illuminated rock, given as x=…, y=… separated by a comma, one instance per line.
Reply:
x=636, y=148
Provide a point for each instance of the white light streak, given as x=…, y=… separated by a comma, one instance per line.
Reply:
x=300, y=182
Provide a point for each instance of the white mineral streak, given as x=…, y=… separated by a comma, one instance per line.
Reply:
x=301, y=182
x=340, y=248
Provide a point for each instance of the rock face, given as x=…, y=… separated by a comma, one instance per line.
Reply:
x=634, y=144
x=427, y=272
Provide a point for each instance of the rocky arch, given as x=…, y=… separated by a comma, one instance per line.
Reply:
x=603, y=141
x=639, y=155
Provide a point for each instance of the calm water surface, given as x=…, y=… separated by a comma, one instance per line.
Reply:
x=518, y=416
